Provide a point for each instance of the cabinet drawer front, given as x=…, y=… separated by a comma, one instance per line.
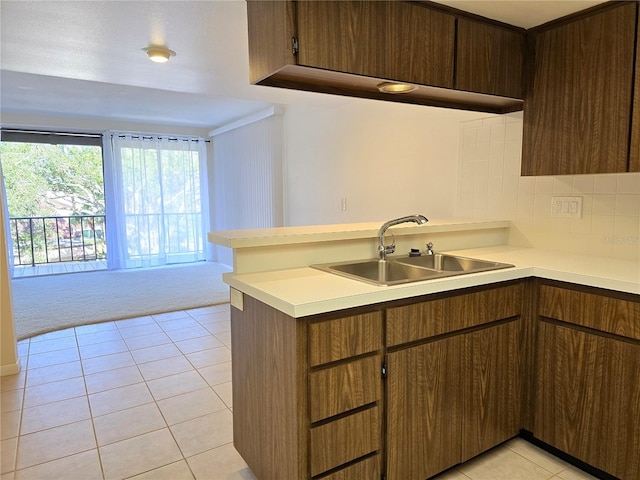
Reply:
x=346, y=337
x=366, y=469
x=423, y=320
x=607, y=314
x=344, y=387
x=346, y=439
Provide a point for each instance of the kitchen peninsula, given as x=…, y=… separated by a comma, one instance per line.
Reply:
x=339, y=379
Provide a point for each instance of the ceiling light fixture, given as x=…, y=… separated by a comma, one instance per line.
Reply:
x=393, y=87
x=159, y=54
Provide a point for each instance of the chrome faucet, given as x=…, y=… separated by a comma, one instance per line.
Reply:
x=384, y=250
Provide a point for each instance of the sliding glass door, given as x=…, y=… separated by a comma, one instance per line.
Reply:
x=157, y=203
x=55, y=201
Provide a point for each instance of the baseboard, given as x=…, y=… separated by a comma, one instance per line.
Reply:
x=10, y=369
x=528, y=436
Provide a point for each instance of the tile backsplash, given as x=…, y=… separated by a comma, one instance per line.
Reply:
x=490, y=186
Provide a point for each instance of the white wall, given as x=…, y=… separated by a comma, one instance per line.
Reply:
x=386, y=159
x=490, y=186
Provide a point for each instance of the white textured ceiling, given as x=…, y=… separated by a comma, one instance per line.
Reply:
x=522, y=13
x=84, y=58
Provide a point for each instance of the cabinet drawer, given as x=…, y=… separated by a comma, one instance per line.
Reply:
x=612, y=315
x=423, y=320
x=344, y=387
x=366, y=469
x=343, y=440
x=346, y=337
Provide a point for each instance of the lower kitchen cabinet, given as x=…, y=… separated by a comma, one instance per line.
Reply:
x=588, y=382
x=455, y=395
x=409, y=388
x=492, y=381
x=307, y=393
x=423, y=423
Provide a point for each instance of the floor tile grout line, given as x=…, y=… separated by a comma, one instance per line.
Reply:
x=86, y=395
x=553, y=474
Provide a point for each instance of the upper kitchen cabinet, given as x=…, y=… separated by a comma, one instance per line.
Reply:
x=378, y=39
x=577, y=115
x=490, y=58
x=352, y=47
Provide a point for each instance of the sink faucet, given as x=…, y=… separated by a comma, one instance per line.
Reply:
x=383, y=249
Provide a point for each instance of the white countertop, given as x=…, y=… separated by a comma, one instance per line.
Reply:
x=301, y=292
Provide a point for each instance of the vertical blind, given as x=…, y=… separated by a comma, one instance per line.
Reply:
x=248, y=176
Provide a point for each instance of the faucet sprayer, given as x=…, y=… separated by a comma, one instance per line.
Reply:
x=383, y=249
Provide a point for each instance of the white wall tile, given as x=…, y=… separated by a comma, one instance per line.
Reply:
x=583, y=183
x=628, y=183
x=527, y=184
x=493, y=187
x=513, y=131
x=605, y=184
x=627, y=205
x=482, y=152
x=604, y=205
x=497, y=120
x=484, y=134
x=544, y=185
x=563, y=184
x=498, y=133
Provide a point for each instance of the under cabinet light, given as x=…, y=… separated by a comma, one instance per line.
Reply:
x=393, y=87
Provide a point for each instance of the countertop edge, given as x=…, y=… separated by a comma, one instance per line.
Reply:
x=310, y=234
x=304, y=291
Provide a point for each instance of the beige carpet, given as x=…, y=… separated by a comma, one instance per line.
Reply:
x=53, y=302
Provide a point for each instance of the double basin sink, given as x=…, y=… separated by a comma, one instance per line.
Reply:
x=406, y=269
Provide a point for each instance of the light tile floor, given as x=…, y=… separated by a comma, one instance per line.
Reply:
x=150, y=398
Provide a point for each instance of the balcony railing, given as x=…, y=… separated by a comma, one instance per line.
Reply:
x=41, y=240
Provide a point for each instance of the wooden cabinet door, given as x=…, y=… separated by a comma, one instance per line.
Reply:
x=588, y=398
x=578, y=109
x=492, y=388
x=419, y=45
x=490, y=59
x=388, y=40
x=344, y=36
x=423, y=425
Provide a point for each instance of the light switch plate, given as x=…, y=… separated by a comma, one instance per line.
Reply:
x=566, y=207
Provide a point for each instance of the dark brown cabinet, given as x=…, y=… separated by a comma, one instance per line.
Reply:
x=307, y=393
x=388, y=40
x=351, y=47
x=490, y=59
x=577, y=114
x=492, y=382
x=423, y=421
x=457, y=394
x=587, y=401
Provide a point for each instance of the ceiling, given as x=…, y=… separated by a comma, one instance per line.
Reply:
x=84, y=58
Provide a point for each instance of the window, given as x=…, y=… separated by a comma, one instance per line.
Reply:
x=158, y=196
x=55, y=197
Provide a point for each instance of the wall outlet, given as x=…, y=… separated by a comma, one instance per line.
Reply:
x=343, y=204
x=566, y=207
x=237, y=299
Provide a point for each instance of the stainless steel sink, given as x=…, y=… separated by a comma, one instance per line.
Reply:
x=451, y=263
x=379, y=272
x=398, y=270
